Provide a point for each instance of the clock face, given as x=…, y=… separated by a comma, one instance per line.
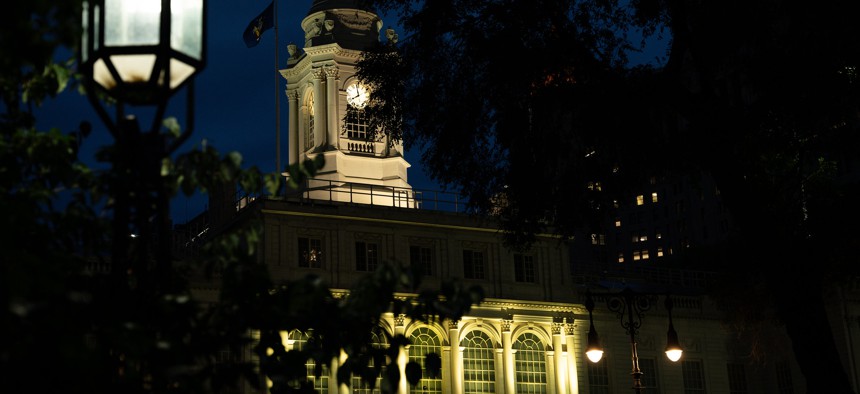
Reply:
x=357, y=95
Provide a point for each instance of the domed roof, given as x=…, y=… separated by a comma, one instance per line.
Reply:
x=323, y=5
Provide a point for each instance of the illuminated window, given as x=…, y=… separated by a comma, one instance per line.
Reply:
x=310, y=252
x=425, y=341
x=379, y=341
x=479, y=366
x=654, y=197
x=636, y=255
x=620, y=257
x=595, y=186
x=530, y=364
x=421, y=257
x=645, y=254
x=366, y=256
x=659, y=251
x=473, y=264
x=524, y=268
x=617, y=222
x=598, y=239
x=658, y=235
x=615, y=203
x=640, y=200
x=297, y=340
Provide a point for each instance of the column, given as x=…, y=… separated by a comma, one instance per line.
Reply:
x=333, y=386
x=550, y=371
x=293, y=127
x=319, y=109
x=331, y=101
x=510, y=379
x=402, y=355
x=560, y=364
x=573, y=354
x=456, y=357
x=501, y=382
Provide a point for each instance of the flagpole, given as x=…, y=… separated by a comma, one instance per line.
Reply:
x=278, y=168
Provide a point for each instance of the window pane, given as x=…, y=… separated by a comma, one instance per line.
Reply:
x=649, y=375
x=479, y=367
x=425, y=341
x=530, y=364
x=694, y=378
x=737, y=378
x=598, y=377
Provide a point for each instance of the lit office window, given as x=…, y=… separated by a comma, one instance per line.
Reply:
x=479, y=366
x=636, y=255
x=645, y=254
x=617, y=222
x=530, y=364
x=598, y=239
x=659, y=251
x=425, y=341
x=640, y=200
x=310, y=252
x=654, y=197
x=620, y=257
x=694, y=377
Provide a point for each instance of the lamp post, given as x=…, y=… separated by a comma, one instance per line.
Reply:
x=630, y=308
x=139, y=53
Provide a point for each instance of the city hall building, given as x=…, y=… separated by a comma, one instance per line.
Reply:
x=531, y=332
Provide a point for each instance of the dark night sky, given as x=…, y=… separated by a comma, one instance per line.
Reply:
x=235, y=96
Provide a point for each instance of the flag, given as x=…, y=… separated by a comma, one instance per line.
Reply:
x=263, y=22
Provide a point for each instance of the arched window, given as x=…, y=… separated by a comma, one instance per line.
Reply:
x=479, y=366
x=530, y=364
x=378, y=340
x=424, y=341
x=309, y=120
x=298, y=340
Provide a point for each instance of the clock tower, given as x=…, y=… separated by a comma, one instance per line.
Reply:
x=326, y=110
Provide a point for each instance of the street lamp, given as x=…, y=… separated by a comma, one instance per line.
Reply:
x=630, y=307
x=141, y=52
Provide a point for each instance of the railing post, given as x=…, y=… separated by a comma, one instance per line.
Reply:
x=371, y=194
x=350, y=192
x=329, y=191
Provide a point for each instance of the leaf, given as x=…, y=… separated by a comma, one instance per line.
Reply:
x=433, y=364
x=413, y=373
x=172, y=126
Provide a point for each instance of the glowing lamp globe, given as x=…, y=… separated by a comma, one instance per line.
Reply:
x=594, y=355
x=593, y=350
x=673, y=346
x=142, y=51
